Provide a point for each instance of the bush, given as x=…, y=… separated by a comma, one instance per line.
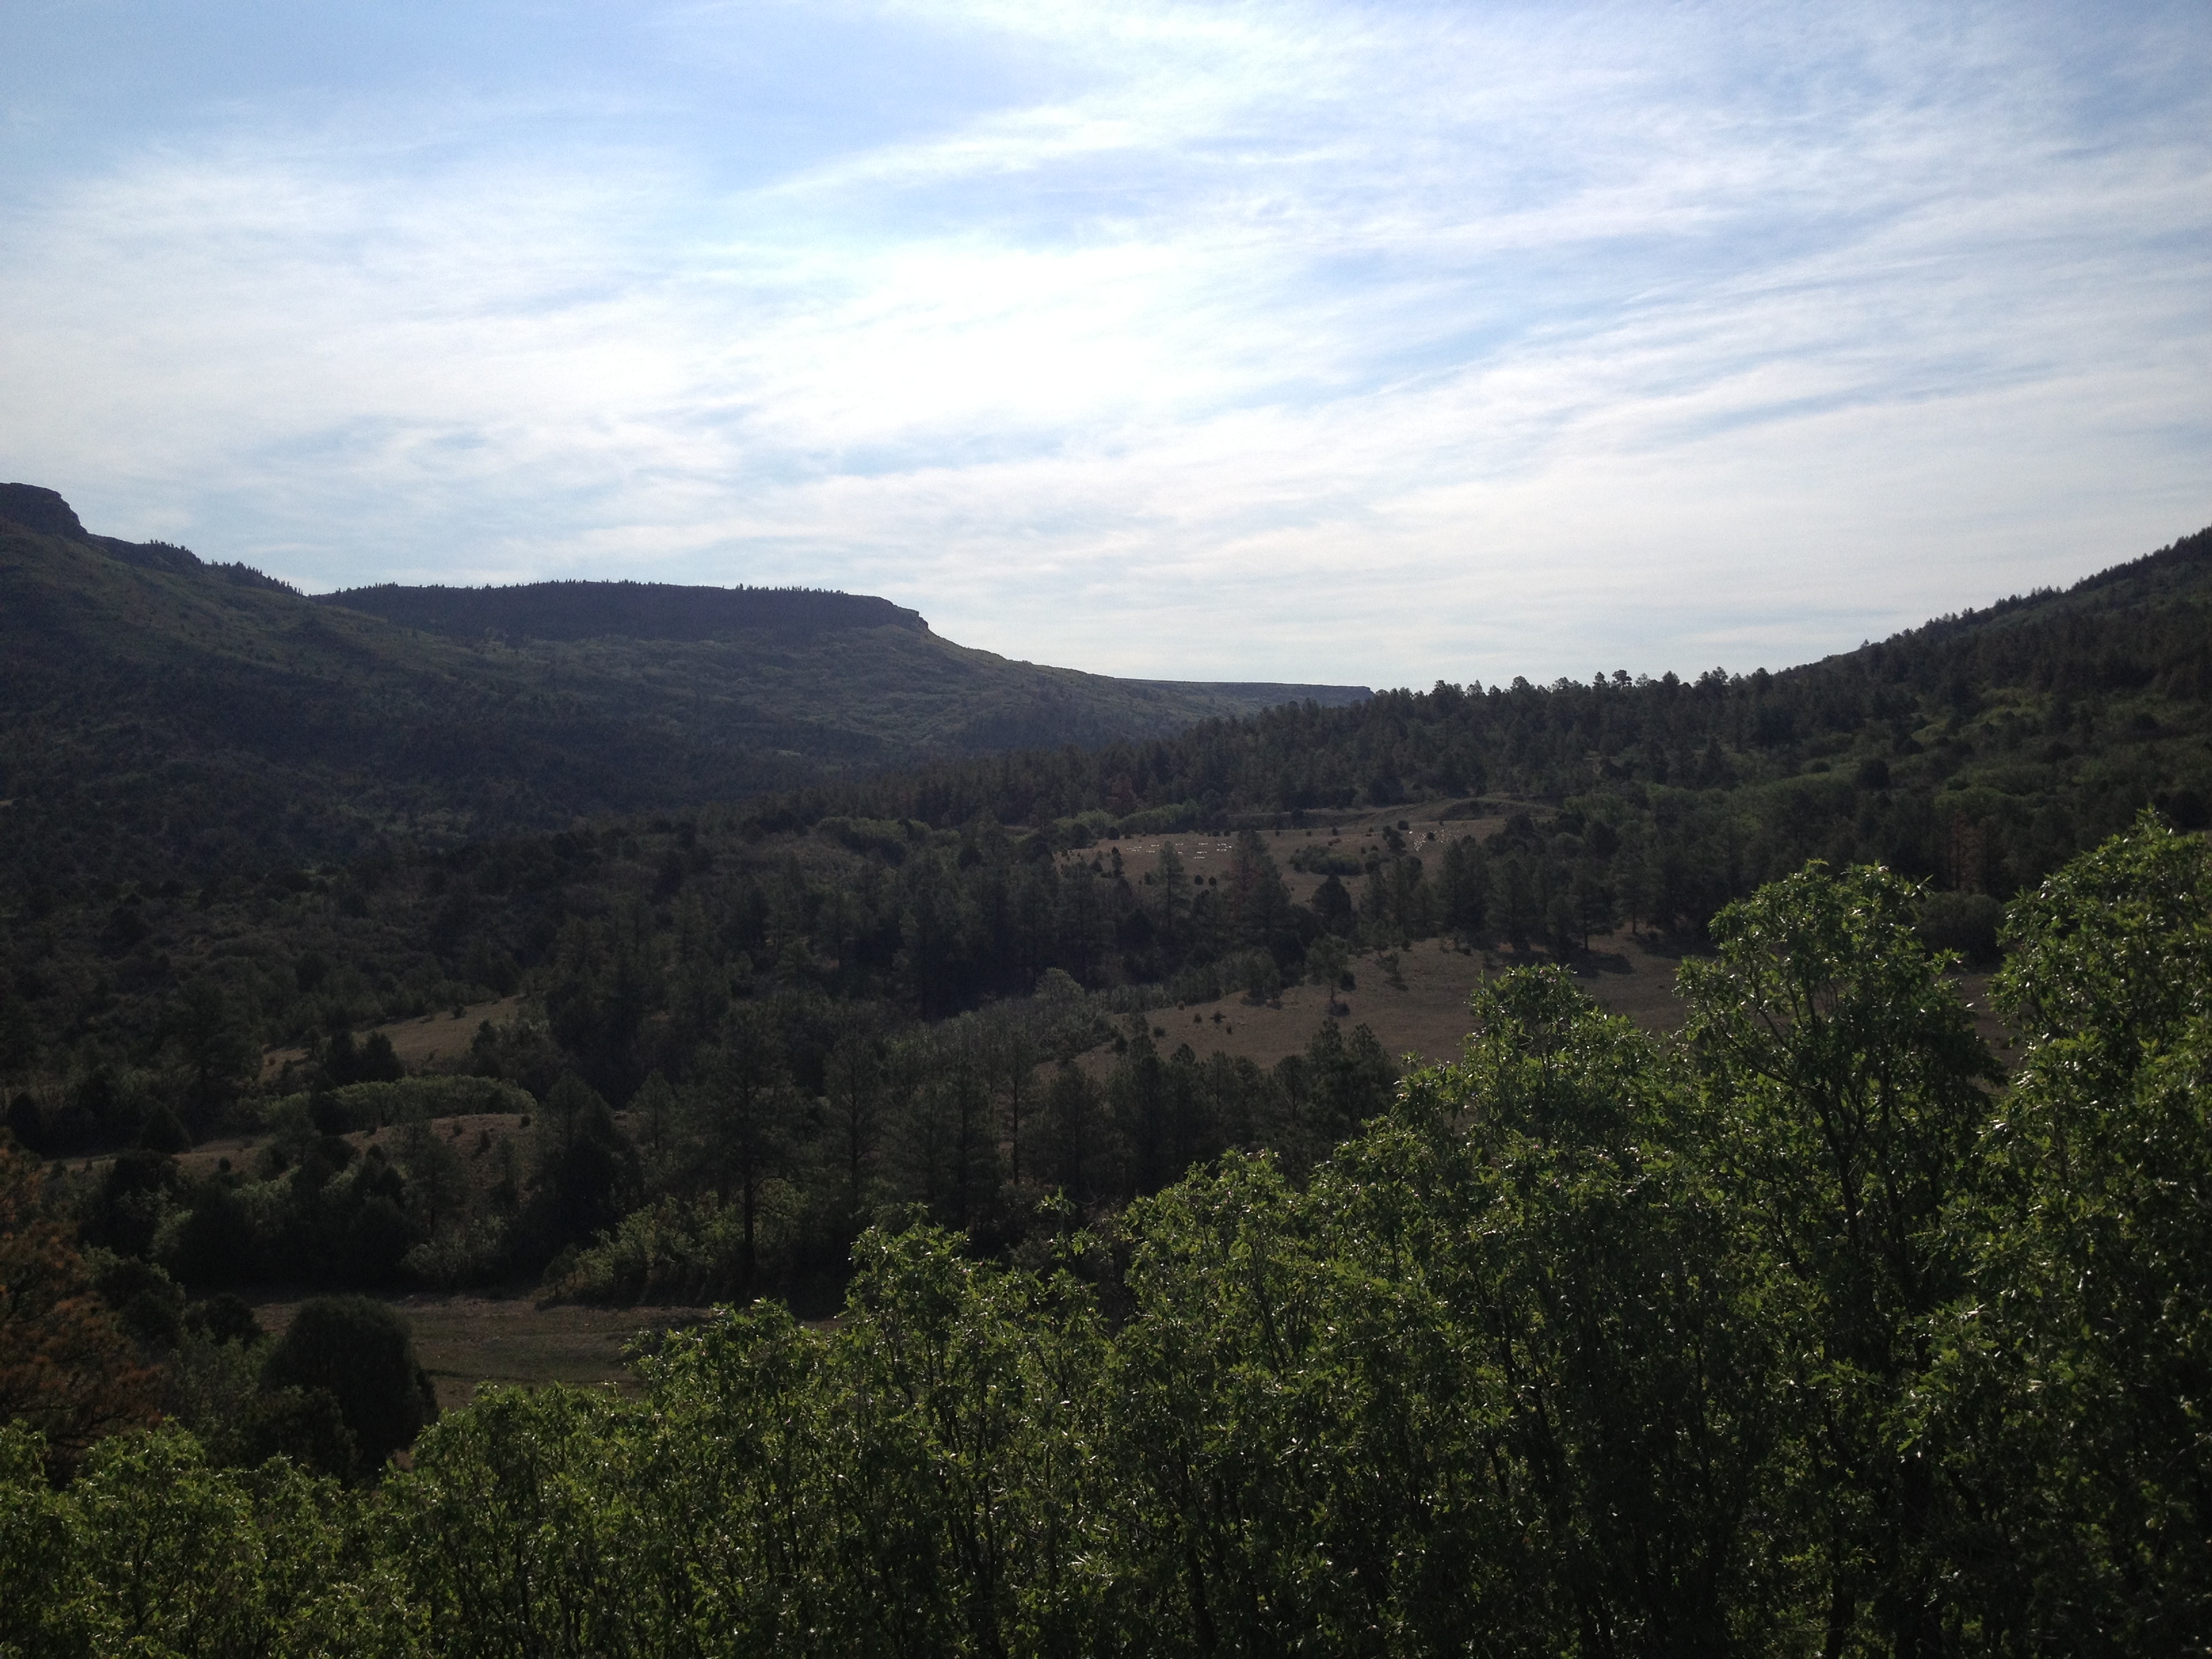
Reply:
x=1253, y=972
x=1965, y=922
x=224, y=1318
x=1202, y=982
x=1162, y=820
x=146, y=1300
x=165, y=1132
x=307, y=1426
x=139, y=1189
x=217, y=1242
x=363, y=1352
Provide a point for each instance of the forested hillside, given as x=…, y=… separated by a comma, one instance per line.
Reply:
x=163, y=718
x=1806, y=1335
x=792, y=940
x=1811, y=1330
x=1980, y=750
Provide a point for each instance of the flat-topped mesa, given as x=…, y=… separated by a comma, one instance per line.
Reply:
x=637, y=611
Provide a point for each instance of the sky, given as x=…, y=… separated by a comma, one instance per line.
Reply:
x=1371, y=344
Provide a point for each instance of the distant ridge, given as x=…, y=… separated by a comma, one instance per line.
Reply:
x=624, y=610
x=159, y=712
x=44, y=511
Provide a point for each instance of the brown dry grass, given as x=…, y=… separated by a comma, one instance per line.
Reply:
x=476, y=1136
x=1428, y=1015
x=464, y=1341
x=1628, y=975
x=421, y=1043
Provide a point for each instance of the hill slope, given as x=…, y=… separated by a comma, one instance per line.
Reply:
x=1981, y=750
x=158, y=714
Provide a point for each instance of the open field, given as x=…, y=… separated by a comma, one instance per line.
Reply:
x=421, y=1043
x=464, y=1341
x=1427, y=1014
x=1428, y=1017
x=1631, y=974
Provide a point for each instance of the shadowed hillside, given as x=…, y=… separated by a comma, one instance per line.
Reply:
x=160, y=714
x=636, y=611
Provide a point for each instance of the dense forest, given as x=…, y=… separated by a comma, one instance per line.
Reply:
x=1602, y=1340
x=1805, y=1333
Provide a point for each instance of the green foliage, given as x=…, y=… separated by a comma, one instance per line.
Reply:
x=361, y=1354
x=2074, y=1385
x=1849, y=1081
x=153, y=1551
x=373, y=1105
x=1809, y=1332
x=1796, y=1335
x=1979, y=752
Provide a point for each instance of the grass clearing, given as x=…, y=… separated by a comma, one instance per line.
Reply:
x=471, y=1339
x=422, y=1043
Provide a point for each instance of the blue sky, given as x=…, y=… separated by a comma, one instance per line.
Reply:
x=1374, y=343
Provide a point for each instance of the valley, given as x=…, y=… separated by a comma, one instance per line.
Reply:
x=859, y=1011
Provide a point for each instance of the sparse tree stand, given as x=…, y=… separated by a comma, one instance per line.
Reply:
x=1325, y=964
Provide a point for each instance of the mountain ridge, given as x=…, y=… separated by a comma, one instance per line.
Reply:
x=158, y=712
x=570, y=611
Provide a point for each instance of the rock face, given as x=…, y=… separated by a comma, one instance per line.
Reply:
x=39, y=509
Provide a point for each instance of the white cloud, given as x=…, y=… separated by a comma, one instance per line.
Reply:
x=1290, y=343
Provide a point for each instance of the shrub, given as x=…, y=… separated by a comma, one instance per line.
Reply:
x=363, y=1352
x=1965, y=922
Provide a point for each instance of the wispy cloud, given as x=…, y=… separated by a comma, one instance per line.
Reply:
x=1302, y=342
